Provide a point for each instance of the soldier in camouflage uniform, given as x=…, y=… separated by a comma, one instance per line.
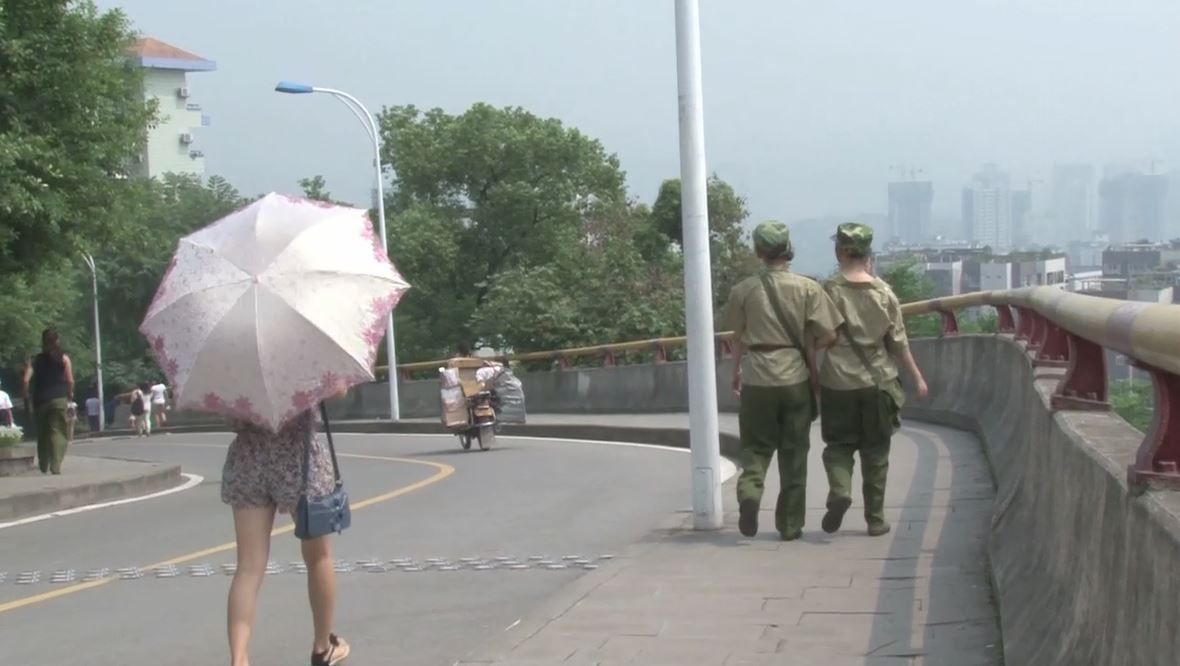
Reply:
x=861, y=394
x=773, y=378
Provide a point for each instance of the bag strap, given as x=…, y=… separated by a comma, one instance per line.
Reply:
x=331, y=447
x=772, y=296
x=856, y=348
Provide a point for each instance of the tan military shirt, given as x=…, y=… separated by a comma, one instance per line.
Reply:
x=752, y=319
x=873, y=317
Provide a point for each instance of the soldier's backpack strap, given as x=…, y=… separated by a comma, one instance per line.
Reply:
x=772, y=296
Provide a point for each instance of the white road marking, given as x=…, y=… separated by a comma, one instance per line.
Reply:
x=191, y=480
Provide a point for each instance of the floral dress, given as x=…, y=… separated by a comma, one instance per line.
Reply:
x=265, y=469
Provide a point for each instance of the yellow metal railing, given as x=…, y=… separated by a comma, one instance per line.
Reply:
x=1149, y=333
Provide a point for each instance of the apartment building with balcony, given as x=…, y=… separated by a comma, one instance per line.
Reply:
x=172, y=145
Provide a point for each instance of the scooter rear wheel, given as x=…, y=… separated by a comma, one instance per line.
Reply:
x=487, y=437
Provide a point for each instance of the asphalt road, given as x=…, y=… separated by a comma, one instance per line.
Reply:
x=414, y=496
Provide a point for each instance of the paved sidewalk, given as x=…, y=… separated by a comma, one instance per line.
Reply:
x=84, y=480
x=917, y=596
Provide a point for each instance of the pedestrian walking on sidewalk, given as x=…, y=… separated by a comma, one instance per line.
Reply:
x=50, y=377
x=139, y=413
x=263, y=474
x=861, y=394
x=93, y=419
x=159, y=400
x=778, y=319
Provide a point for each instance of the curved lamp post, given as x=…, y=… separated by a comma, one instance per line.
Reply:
x=362, y=114
x=89, y=260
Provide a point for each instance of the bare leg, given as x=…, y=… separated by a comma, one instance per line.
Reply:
x=252, y=527
x=321, y=588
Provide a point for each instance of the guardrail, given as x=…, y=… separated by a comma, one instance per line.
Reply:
x=1059, y=329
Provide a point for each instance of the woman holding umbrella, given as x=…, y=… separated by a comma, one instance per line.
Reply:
x=262, y=476
x=261, y=317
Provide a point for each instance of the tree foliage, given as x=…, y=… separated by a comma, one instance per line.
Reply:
x=909, y=284
x=1134, y=401
x=74, y=118
x=729, y=247
x=483, y=196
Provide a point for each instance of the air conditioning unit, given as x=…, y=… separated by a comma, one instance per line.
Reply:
x=196, y=154
x=186, y=138
x=182, y=92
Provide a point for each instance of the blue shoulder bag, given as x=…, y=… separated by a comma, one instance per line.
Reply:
x=319, y=516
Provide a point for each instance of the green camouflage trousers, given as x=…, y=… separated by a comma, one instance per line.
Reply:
x=850, y=424
x=776, y=419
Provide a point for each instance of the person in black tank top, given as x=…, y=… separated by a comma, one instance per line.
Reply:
x=50, y=375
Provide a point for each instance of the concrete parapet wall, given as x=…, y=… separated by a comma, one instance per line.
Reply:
x=1083, y=572
x=628, y=389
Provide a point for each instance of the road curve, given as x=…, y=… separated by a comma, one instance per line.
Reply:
x=415, y=497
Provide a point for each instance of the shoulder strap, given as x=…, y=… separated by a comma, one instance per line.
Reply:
x=771, y=295
x=331, y=447
x=856, y=348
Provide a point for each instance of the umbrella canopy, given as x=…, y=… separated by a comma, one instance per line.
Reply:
x=268, y=311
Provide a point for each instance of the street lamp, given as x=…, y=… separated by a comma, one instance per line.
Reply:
x=362, y=114
x=89, y=260
x=698, y=289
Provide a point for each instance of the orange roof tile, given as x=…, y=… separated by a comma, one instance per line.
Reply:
x=154, y=48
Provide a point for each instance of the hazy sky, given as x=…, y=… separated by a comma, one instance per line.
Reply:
x=807, y=104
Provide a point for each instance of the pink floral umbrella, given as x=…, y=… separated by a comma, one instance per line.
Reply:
x=272, y=309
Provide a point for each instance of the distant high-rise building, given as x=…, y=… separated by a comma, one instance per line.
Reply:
x=1073, y=195
x=1174, y=204
x=1022, y=216
x=968, y=213
x=1133, y=206
x=990, y=208
x=909, y=210
x=171, y=146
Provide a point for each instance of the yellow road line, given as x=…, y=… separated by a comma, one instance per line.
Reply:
x=442, y=471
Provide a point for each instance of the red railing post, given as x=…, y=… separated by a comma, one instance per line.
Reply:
x=1024, y=323
x=1036, y=334
x=1084, y=385
x=406, y=375
x=661, y=352
x=561, y=361
x=1157, y=464
x=608, y=359
x=1005, y=322
x=950, y=323
x=1054, y=349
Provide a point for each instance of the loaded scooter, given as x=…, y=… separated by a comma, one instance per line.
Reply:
x=477, y=396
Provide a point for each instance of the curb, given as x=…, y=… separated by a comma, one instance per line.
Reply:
x=662, y=436
x=38, y=502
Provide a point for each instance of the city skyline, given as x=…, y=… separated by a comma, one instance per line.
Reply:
x=806, y=109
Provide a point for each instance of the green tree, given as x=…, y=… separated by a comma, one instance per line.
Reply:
x=729, y=247
x=73, y=120
x=909, y=284
x=601, y=290
x=1133, y=400
x=479, y=194
x=316, y=188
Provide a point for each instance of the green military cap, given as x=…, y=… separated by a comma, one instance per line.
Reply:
x=773, y=239
x=855, y=235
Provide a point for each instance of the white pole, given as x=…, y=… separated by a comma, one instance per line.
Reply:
x=698, y=289
x=390, y=346
x=97, y=343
